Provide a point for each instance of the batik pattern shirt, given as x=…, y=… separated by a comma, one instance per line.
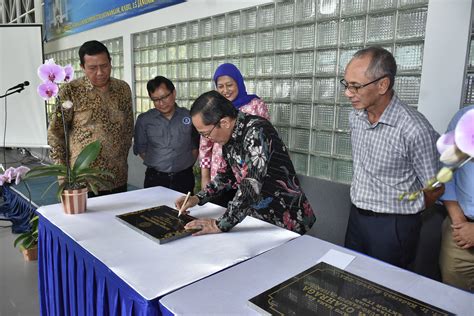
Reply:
x=259, y=167
x=210, y=153
x=95, y=115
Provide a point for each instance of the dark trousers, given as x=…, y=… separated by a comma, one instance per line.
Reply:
x=182, y=181
x=392, y=238
x=119, y=189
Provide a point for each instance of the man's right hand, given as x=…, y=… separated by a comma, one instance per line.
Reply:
x=192, y=201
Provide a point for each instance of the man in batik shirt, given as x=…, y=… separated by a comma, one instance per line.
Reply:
x=258, y=166
x=101, y=110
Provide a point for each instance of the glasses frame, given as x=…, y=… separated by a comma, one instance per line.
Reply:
x=163, y=98
x=208, y=134
x=355, y=88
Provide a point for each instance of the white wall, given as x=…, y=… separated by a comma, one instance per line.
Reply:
x=448, y=33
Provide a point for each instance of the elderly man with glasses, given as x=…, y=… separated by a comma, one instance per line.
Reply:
x=166, y=139
x=257, y=165
x=394, y=151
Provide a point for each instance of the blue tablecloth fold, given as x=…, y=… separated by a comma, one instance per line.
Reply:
x=73, y=282
x=16, y=209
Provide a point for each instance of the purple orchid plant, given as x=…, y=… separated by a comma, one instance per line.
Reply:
x=456, y=149
x=13, y=175
x=52, y=75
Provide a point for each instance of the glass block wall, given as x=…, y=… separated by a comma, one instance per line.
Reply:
x=469, y=82
x=71, y=56
x=292, y=54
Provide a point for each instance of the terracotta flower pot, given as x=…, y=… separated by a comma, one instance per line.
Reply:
x=74, y=201
x=30, y=254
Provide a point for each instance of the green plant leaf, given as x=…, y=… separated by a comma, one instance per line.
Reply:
x=79, y=175
x=60, y=190
x=29, y=238
x=53, y=172
x=49, y=167
x=93, y=188
x=87, y=155
x=20, y=238
x=49, y=187
x=34, y=219
x=28, y=242
x=96, y=172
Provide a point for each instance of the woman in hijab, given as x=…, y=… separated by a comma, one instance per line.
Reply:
x=230, y=83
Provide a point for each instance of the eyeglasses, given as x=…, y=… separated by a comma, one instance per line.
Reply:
x=163, y=98
x=208, y=134
x=355, y=88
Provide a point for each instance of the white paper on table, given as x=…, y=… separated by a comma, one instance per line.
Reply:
x=336, y=258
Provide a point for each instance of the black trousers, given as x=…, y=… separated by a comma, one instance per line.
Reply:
x=119, y=189
x=392, y=238
x=182, y=181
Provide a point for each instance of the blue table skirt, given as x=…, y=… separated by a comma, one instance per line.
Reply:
x=165, y=311
x=16, y=209
x=73, y=282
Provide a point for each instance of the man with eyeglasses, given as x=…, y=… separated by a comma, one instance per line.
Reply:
x=393, y=151
x=258, y=166
x=166, y=139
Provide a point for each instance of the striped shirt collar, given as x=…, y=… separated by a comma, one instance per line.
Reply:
x=388, y=117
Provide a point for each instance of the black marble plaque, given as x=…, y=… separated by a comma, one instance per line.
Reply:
x=160, y=223
x=326, y=290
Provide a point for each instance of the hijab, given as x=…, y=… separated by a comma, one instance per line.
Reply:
x=232, y=71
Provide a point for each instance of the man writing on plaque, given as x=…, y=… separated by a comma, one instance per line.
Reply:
x=258, y=166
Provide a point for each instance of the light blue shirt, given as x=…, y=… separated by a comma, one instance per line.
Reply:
x=461, y=187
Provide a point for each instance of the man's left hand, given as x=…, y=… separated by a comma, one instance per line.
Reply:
x=463, y=234
x=431, y=196
x=206, y=226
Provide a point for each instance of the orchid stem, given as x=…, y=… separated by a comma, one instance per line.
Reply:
x=29, y=196
x=462, y=163
x=66, y=144
x=454, y=168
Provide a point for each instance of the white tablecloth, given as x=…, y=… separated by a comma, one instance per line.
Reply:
x=148, y=267
x=227, y=292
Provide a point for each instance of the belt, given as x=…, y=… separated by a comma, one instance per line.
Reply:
x=170, y=174
x=372, y=213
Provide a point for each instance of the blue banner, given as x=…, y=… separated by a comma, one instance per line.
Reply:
x=66, y=17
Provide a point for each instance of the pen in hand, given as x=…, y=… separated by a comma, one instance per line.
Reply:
x=184, y=203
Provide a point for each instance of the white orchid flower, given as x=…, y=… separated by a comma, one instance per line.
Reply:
x=67, y=105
